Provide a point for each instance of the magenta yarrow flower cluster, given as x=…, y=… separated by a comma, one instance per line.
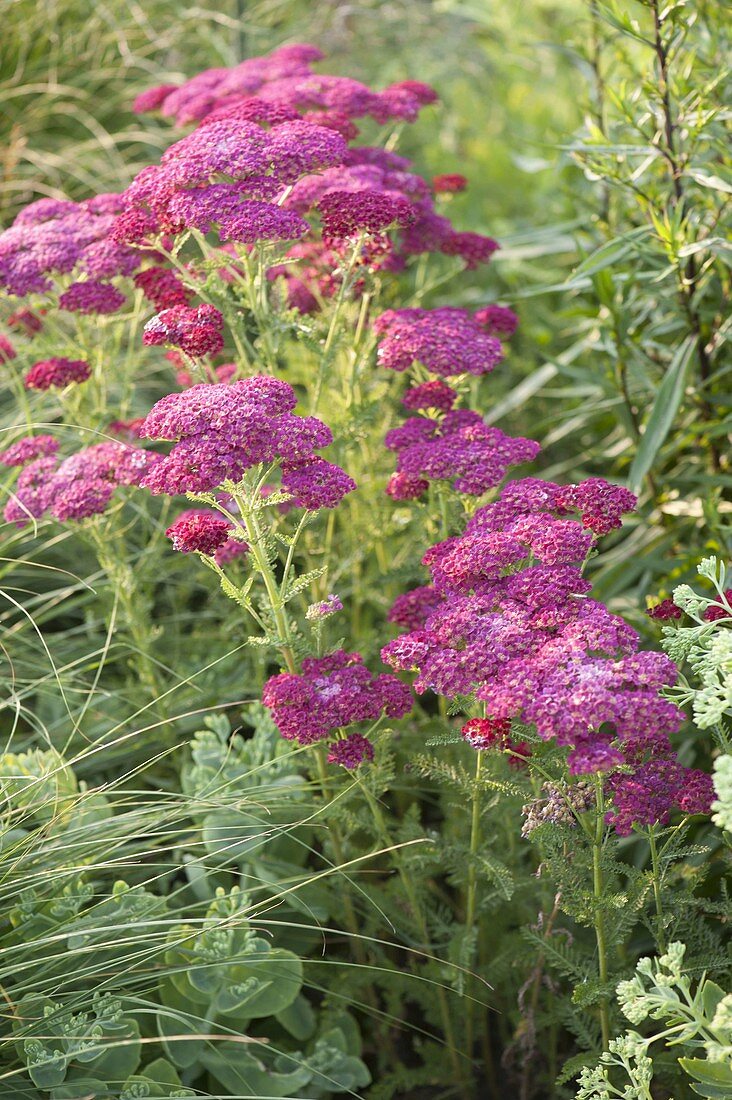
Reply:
x=654, y=789
x=285, y=80
x=7, y=349
x=222, y=431
x=376, y=178
x=204, y=531
x=92, y=296
x=514, y=618
x=79, y=486
x=447, y=341
x=163, y=288
x=459, y=448
x=329, y=694
x=26, y=320
x=509, y=620
x=56, y=373
x=437, y=396
x=449, y=183
x=27, y=449
x=55, y=237
x=197, y=332
x=227, y=176
x=272, y=148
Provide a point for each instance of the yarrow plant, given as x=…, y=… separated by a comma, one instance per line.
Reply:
x=237, y=362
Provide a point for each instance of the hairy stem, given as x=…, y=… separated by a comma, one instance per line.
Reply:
x=256, y=544
x=598, y=887
x=656, y=872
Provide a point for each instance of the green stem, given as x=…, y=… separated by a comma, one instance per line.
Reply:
x=598, y=891
x=327, y=355
x=134, y=607
x=256, y=540
x=471, y=911
x=655, y=866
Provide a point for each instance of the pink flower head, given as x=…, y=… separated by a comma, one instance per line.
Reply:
x=404, y=487
x=153, y=98
x=446, y=341
x=473, y=248
x=351, y=751
x=330, y=693
x=262, y=221
x=92, y=296
x=56, y=372
x=28, y=449
x=513, y=626
x=600, y=504
x=197, y=332
x=348, y=213
x=717, y=611
x=487, y=733
x=664, y=610
x=25, y=319
x=230, y=550
x=449, y=184
x=162, y=287
x=33, y=492
x=460, y=448
x=202, y=532
x=126, y=429
x=81, y=486
x=430, y=395
x=7, y=350
x=222, y=430
x=53, y=237
x=650, y=794
x=403, y=101
x=315, y=483
x=412, y=609
x=497, y=320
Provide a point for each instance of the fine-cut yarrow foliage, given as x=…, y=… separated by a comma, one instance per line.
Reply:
x=340, y=757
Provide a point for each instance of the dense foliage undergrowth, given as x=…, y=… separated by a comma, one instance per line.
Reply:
x=330, y=765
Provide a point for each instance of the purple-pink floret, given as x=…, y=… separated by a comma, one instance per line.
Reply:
x=315, y=483
x=7, y=349
x=54, y=236
x=498, y=320
x=430, y=395
x=349, y=213
x=330, y=693
x=412, y=609
x=285, y=79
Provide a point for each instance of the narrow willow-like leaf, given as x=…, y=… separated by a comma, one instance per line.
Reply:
x=663, y=414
